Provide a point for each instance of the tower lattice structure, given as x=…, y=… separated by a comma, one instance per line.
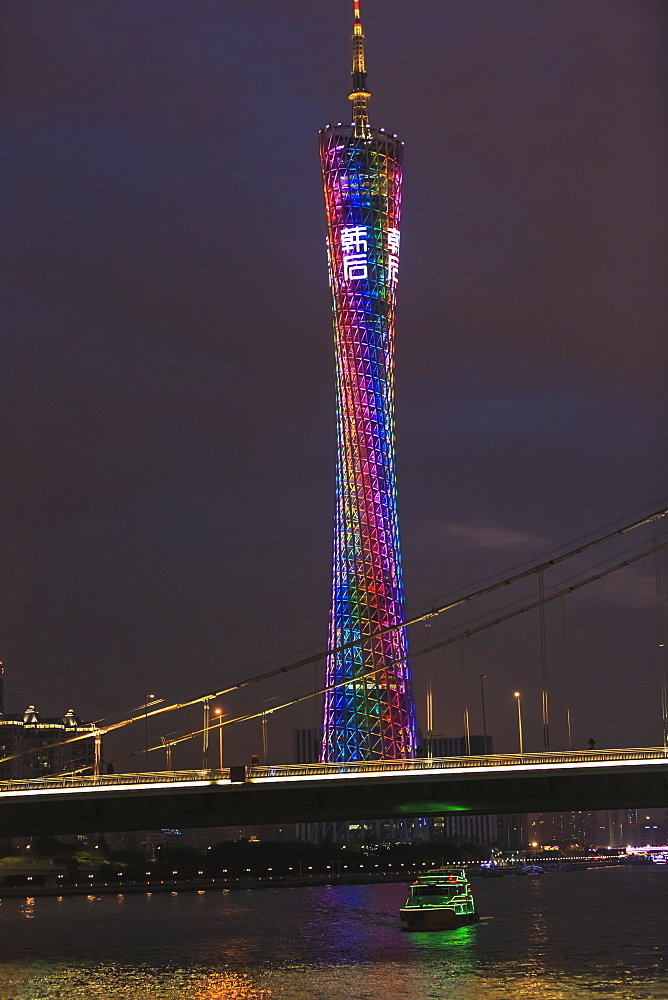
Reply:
x=369, y=712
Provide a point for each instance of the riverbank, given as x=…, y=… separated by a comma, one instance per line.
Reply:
x=193, y=885
x=94, y=888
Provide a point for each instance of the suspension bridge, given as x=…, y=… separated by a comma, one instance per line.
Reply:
x=378, y=789
x=326, y=792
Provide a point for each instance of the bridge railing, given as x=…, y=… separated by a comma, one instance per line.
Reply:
x=96, y=781
x=447, y=763
x=287, y=771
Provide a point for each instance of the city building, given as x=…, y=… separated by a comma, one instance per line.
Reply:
x=306, y=745
x=369, y=712
x=38, y=747
x=566, y=830
x=513, y=832
x=458, y=746
x=642, y=827
x=481, y=830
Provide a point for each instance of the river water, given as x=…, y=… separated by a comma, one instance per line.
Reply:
x=562, y=936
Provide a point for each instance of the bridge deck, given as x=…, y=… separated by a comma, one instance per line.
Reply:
x=318, y=792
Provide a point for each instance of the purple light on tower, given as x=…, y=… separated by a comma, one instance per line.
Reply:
x=369, y=712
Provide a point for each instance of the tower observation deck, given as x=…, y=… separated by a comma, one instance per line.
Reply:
x=369, y=711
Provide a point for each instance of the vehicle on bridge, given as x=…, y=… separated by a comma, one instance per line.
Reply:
x=440, y=900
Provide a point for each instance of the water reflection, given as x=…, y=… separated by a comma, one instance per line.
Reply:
x=573, y=936
x=458, y=943
x=105, y=982
x=220, y=986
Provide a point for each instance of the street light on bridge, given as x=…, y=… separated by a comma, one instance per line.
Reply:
x=482, y=703
x=219, y=713
x=519, y=721
x=149, y=699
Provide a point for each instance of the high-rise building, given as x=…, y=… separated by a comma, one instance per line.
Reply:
x=566, y=830
x=306, y=744
x=482, y=830
x=36, y=747
x=514, y=831
x=369, y=712
x=459, y=746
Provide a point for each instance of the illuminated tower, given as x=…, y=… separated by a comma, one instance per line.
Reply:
x=369, y=714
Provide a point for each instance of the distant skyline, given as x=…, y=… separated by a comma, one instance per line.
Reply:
x=168, y=429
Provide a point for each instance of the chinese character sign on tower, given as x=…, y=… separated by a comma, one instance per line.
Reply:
x=369, y=711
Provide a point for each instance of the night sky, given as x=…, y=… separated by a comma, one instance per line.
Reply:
x=168, y=375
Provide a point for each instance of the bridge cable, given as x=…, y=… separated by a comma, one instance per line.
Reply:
x=565, y=653
x=543, y=661
x=467, y=720
x=439, y=644
x=660, y=637
x=429, y=646
x=433, y=613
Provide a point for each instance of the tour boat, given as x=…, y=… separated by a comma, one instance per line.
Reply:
x=440, y=900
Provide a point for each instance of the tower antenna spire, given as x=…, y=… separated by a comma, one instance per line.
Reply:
x=365, y=719
x=359, y=95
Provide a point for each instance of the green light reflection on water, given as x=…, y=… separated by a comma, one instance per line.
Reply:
x=448, y=961
x=461, y=939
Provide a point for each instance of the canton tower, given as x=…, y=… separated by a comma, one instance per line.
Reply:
x=369, y=712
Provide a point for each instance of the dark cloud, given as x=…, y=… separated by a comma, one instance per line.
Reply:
x=493, y=537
